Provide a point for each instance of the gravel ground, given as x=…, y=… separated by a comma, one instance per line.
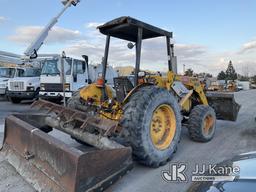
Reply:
x=231, y=138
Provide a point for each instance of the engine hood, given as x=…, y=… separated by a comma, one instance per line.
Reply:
x=3, y=79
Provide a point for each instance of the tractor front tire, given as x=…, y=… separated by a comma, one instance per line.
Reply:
x=152, y=120
x=202, y=123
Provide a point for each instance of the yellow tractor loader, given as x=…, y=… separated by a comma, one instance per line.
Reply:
x=141, y=118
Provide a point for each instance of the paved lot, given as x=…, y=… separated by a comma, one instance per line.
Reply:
x=10, y=181
x=231, y=138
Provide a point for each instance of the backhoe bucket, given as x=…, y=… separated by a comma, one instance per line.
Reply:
x=51, y=165
x=224, y=105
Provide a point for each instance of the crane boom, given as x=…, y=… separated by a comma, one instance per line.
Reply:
x=31, y=51
x=8, y=57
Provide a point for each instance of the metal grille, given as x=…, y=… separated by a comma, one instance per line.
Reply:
x=54, y=87
x=17, y=86
x=2, y=85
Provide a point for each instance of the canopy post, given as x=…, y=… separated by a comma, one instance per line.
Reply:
x=169, y=53
x=104, y=66
x=138, y=55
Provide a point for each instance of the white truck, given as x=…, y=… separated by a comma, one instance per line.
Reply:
x=7, y=73
x=21, y=85
x=60, y=77
x=25, y=86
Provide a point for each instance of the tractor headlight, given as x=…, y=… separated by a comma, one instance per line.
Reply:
x=30, y=88
x=42, y=87
x=67, y=87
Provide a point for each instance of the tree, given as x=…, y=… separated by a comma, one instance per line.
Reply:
x=208, y=75
x=222, y=76
x=230, y=72
x=205, y=75
x=189, y=72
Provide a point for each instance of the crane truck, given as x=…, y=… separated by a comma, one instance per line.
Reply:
x=60, y=77
x=25, y=84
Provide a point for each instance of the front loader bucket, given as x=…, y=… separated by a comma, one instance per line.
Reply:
x=51, y=165
x=224, y=105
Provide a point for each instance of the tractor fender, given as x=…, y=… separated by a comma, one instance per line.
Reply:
x=134, y=90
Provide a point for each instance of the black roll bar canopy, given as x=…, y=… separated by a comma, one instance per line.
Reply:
x=126, y=28
x=130, y=29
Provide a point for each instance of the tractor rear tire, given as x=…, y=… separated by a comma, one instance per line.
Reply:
x=151, y=111
x=202, y=123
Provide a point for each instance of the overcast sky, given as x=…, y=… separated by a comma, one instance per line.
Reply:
x=207, y=33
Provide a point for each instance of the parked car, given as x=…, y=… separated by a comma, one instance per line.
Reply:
x=245, y=181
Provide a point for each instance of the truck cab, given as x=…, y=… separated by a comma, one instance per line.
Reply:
x=25, y=86
x=76, y=74
x=96, y=72
x=59, y=80
x=6, y=73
